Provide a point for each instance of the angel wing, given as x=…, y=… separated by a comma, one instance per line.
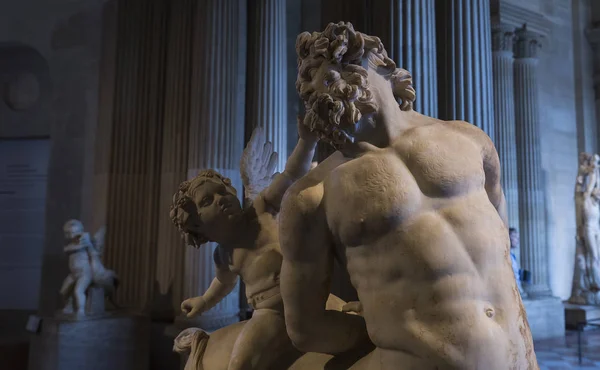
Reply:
x=98, y=240
x=257, y=165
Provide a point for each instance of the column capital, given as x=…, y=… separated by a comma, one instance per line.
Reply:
x=503, y=37
x=527, y=44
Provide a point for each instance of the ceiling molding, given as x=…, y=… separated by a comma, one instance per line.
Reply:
x=504, y=12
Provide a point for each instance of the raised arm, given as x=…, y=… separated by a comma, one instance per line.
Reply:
x=297, y=165
x=219, y=288
x=305, y=278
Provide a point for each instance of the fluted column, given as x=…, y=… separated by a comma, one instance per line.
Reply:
x=593, y=36
x=267, y=74
x=504, y=115
x=217, y=128
x=134, y=178
x=465, y=60
x=174, y=161
x=534, y=248
x=407, y=30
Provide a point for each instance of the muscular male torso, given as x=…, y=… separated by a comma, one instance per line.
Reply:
x=427, y=251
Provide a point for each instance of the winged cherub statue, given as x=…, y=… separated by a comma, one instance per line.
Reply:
x=206, y=208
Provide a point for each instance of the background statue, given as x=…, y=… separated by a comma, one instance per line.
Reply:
x=86, y=268
x=586, y=276
x=412, y=206
x=206, y=208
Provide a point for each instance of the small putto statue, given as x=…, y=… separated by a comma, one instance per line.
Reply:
x=86, y=268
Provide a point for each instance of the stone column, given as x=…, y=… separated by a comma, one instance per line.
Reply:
x=465, y=60
x=174, y=162
x=267, y=77
x=407, y=30
x=216, y=136
x=593, y=36
x=534, y=250
x=134, y=174
x=504, y=115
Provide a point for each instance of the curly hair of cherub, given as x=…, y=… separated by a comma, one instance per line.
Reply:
x=341, y=44
x=184, y=213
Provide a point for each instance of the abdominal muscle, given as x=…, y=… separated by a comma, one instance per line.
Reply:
x=454, y=317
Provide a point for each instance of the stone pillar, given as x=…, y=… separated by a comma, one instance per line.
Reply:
x=134, y=176
x=407, y=30
x=504, y=115
x=465, y=60
x=174, y=162
x=216, y=137
x=593, y=36
x=267, y=63
x=534, y=250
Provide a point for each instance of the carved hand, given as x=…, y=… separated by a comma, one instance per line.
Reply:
x=354, y=307
x=193, y=306
x=305, y=133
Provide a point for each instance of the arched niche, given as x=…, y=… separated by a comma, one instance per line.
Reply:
x=25, y=88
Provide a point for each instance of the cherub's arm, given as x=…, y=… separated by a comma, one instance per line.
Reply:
x=305, y=279
x=297, y=165
x=83, y=243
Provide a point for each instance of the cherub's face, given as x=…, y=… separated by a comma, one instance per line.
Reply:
x=216, y=206
x=73, y=231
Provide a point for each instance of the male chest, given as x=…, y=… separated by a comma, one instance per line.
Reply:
x=369, y=196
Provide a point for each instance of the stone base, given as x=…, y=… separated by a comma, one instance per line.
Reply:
x=546, y=317
x=117, y=342
x=575, y=313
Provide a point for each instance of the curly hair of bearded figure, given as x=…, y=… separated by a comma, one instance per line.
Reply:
x=184, y=213
x=334, y=114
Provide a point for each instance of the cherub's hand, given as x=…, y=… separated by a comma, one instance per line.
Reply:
x=354, y=307
x=305, y=133
x=193, y=306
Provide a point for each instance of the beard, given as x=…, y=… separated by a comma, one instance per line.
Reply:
x=334, y=115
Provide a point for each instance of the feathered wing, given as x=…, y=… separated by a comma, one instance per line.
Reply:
x=98, y=240
x=257, y=165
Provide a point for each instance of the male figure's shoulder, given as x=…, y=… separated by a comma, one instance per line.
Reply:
x=472, y=132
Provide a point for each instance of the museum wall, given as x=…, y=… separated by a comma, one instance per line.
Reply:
x=61, y=42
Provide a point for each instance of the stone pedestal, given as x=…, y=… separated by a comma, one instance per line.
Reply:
x=546, y=317
x=116, y=342
x=575, y=313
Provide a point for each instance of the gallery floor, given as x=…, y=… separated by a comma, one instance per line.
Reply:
x=561, y=353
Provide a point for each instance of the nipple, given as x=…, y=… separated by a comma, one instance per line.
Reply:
x=489, y=312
